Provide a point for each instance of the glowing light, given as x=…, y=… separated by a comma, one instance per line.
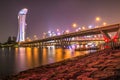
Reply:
x=78, y=46
x=79, y=28
x=44, y=33
x=73, y=46
x=73, y=38
x=81, y=46
x=23, y=11
x=96, y=26
x=58, y=33
x=67, y=31
x=49, y=31
x=97, y=18
x=76, y=30
x=74, y=25
x=83, y=28
x=89, y=26
x=104, y=23
x=86, y=46
x=35, y=37
x=28, y=38
x=58, y=30
x=95, y=36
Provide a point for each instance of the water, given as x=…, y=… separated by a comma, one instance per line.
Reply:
x=14, y=60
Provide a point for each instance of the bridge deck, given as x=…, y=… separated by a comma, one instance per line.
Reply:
x=109, y=28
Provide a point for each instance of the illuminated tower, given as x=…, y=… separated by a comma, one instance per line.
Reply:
x=22, y=24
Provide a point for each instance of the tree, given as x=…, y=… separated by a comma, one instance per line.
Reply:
x=9, y=39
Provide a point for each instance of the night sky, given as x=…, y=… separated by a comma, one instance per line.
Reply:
x=44, y=15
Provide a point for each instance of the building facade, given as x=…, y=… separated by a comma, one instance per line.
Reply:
x=21, y=25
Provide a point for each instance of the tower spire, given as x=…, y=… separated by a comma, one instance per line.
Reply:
x=21, y=25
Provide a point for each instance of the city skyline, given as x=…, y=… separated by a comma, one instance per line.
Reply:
x=55, y=14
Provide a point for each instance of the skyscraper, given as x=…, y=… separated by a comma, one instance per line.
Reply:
x=21, y=25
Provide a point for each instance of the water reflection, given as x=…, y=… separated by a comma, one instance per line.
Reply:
x=20, y=59
x=51, y=54
x=44, y=58
x=15, y=60
x=59, y=54
x=29, y=57
x=36, y=56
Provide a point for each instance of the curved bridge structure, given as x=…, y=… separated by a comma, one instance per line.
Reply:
x=66, y=39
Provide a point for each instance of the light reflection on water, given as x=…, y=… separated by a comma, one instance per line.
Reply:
x=14, y=60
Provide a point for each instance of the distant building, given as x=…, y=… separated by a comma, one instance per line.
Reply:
x=22, y=25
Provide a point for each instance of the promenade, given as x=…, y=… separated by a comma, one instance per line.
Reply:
x=103, y=65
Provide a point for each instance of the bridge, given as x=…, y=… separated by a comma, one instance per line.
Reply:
x=67, y=39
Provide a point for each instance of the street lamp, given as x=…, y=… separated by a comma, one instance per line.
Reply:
x=83, y=28
x=58, y=30
x=89, y=26
x=74, y=25
x=104, y=23
x=44, y=35
x=76, y=30
x=97, y=19
x=67, y=31
x=28, y=39
x=35, y=37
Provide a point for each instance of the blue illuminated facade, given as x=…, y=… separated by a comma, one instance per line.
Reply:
x=22, y=24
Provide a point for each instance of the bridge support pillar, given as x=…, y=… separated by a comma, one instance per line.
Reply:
x=106, y=36
x=40, y=44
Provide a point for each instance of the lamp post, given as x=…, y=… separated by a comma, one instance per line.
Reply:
x=104, y=23
x=97, y=19
x=67, y=31
x=58, y=32
x=83, y=28
x=74, y=25
x=44, y=35
x=35, y=37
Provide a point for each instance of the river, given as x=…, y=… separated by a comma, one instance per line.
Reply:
x=14, y=60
